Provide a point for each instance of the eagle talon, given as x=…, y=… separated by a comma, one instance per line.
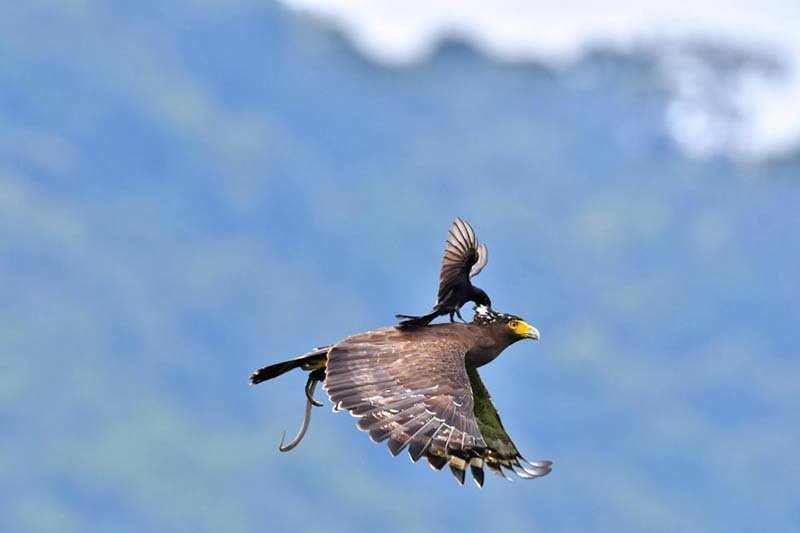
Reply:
x=310, y=385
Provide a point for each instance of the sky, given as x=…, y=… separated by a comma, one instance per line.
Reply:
x=747, y=107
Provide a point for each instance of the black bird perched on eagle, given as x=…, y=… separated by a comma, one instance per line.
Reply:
x=464, y=258
x=416, y=385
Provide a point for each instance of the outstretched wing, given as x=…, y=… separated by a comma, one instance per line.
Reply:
x=464, y=257
x=412, y=389
x=501, y=452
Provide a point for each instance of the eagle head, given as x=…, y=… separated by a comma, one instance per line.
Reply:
x=517, y=328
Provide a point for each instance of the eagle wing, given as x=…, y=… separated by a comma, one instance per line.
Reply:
x=464, y=257
x=501, y=451
x=414, y=390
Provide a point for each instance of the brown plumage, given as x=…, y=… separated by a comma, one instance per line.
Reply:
x=419, y=390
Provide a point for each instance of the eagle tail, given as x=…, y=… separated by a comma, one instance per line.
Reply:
x=310, y=361
x=313, y=362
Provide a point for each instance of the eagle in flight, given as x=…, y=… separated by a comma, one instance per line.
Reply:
x=418, y=389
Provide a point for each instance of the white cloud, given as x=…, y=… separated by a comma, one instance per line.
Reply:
x=749, y=111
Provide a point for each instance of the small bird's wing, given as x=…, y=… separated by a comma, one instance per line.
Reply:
x=464, y=257
x=483, y=258
x=413, y=389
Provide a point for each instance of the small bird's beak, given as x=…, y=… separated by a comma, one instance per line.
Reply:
x=532, y=333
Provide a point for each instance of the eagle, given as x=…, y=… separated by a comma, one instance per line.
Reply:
x=418, y=389
x=464, y=258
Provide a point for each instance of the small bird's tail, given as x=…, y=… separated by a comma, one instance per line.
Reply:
x=313, y=360
x=409, y=322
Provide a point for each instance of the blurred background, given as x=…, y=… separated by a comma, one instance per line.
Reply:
x=192, y=190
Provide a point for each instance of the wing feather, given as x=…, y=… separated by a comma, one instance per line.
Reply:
x=464, y=257
x=483, y=258
x=501, y=451
x=414, y=392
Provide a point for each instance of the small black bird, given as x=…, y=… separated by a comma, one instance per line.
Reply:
x=464, y=257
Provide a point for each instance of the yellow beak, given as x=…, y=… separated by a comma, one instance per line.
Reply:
x=526, y=331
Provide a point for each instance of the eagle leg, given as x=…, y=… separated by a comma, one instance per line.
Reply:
x=458, y=312
x=310, y=386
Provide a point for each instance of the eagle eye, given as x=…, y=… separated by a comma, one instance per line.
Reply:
x=513, y=324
